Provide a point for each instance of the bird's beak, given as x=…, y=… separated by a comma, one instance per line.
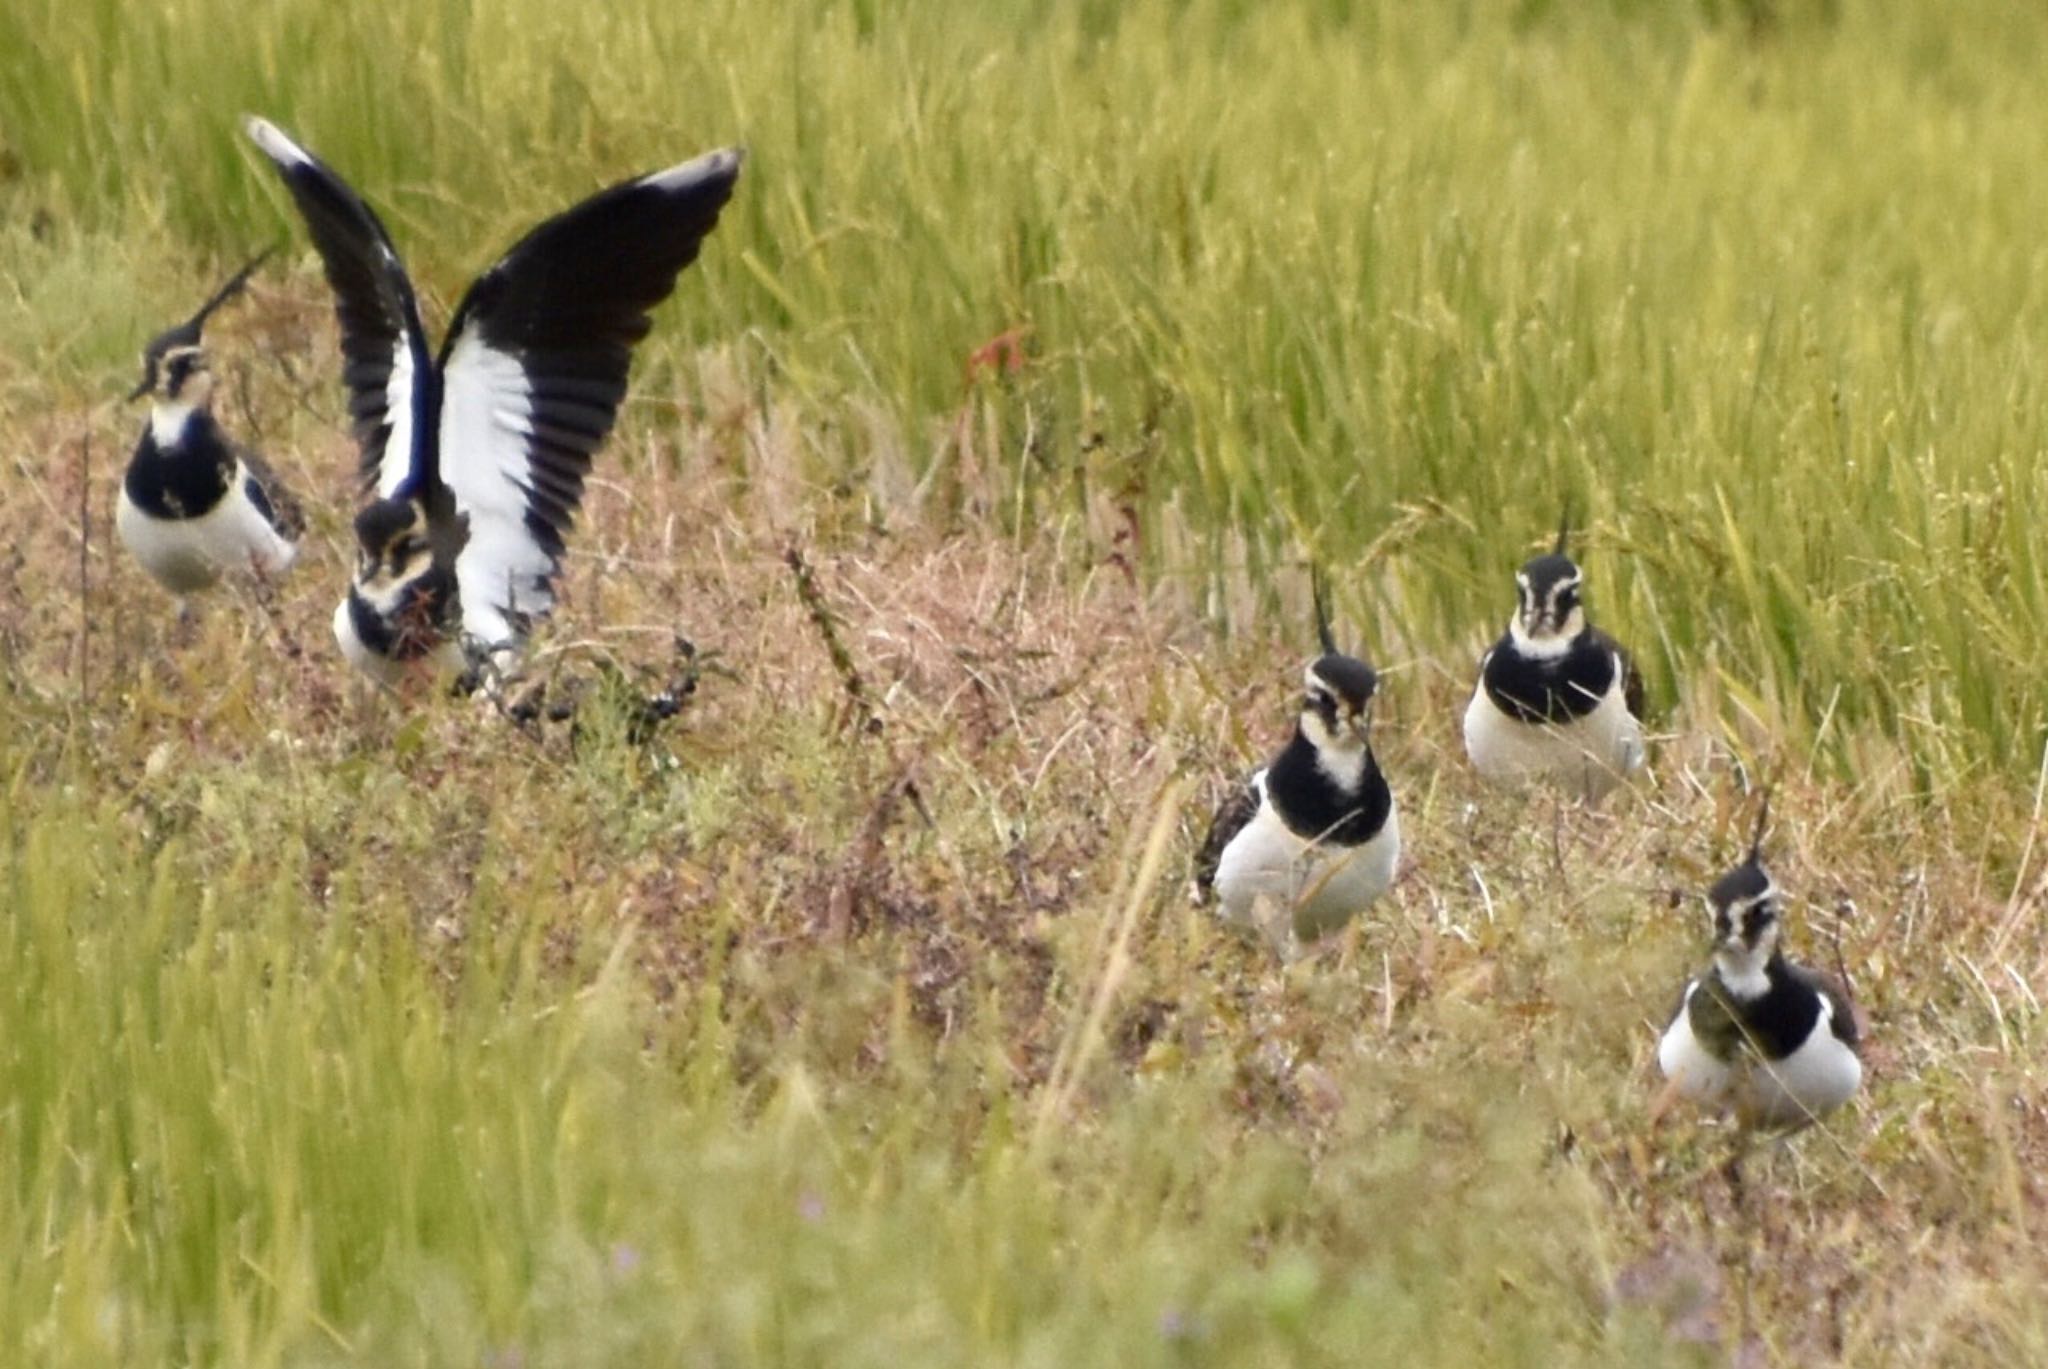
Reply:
x=139, y=391
x=1360, y=721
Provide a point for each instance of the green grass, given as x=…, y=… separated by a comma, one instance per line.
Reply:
x=333, y=1031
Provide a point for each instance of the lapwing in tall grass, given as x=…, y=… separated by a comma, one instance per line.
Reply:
x=474, y=458
x=1557, y=700
x=1313, y=838
x=194, y=503
x=1772, y=1041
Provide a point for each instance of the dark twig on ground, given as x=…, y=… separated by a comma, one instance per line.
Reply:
x=828, y=631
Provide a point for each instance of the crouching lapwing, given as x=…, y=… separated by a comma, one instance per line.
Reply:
x=1557, y=699
x=1772, y=1041
x=473, y=460
x=1312, y=838
x=195, y=504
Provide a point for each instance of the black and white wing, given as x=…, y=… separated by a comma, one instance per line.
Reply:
x=1631, y=678
x=1842, y=1018
x=267, y=491
x=1233, y=815
x=534, y=369
x=383, y=346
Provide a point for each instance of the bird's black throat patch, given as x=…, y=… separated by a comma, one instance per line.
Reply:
x=1550, y=689
x=416, y=626
x=1314, y=805
x=184, y=481
x=1774, y=1024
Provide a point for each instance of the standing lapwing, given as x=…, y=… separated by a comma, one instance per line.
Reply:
x=473, y=460
x=1774, y=1041
x=1313, y=837
x=1557, y=699
x=194, y=503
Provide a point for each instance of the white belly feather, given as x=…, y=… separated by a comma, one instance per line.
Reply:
x=189, y=554
x=1815, y=1079
x=1696, y=1071
x=1270, y=875
x=1589, y=754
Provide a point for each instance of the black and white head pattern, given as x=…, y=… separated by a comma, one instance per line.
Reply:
x=1336, y=708
x=174, y=367
x=492, y=438
x=1548, y=613
x=1551, y=666
x=1748, y=916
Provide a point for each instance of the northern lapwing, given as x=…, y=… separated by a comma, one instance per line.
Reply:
x=1557, y=699
x=1312, y=838
x=194, y=503
x=1775, y=1042
x=473, y=459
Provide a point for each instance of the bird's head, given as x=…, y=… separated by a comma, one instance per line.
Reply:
x=174, y=369
x=1548, y=613
x=392, y=545
x=1748, y=913
x=1337, y=705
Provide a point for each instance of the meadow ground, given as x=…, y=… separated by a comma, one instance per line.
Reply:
x=857, y=1014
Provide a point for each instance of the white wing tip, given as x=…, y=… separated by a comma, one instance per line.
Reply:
x=273, y=141
x=725, y=163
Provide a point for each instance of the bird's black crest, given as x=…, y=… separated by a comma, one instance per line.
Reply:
x=1748, y=880
x=1546, y=571
x=187, y=333
x=1756, y=840
x=1319, y=591
x=379, y=523
x=1564, y=529
x=1350, y=679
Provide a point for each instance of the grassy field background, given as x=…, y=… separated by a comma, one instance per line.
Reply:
x=859, y=1017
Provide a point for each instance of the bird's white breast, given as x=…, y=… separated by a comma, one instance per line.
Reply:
x=1269, y=873
x=167, y=424
x=1695, y=1070
x=1813, y=1080
x=1589, y=754
x=1821, y=1075
x=189, y=554
x=446, y=657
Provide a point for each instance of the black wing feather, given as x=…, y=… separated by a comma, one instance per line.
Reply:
x=1237, y=810
x=269, y=493
x=373, y=302
x=1842, y=1020
x=1631, y=678
x=570, y=301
